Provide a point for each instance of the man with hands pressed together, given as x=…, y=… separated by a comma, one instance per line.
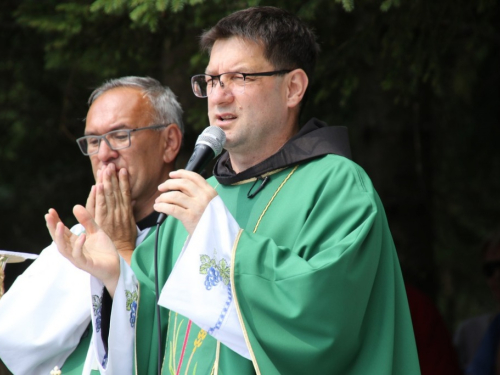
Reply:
x=283, y=262
x=133, y=132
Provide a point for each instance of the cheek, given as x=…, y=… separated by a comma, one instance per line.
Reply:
x=94, y=162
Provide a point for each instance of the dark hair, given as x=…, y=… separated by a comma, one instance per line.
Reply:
x=167, y=109
x=288, y=43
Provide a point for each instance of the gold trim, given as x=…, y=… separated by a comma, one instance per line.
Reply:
x=215, y=370
x=274, y=196
x=135, y=326
x=233, y=257
x=255, y=178
x=237, y=305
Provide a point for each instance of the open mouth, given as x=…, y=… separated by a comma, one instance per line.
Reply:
x=226, y=117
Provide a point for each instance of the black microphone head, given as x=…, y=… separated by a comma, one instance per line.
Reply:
x=214, y=137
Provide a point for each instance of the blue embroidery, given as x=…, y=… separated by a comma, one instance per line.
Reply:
x=213, y=278
x=132, y=298
x=105, y=360
x=224, y=311
x=97, y=305
x=216, y=272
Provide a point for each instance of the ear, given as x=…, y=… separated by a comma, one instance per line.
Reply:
x=172, y=138
x=297, y=85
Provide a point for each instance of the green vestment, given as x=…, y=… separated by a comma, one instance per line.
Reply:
x=314, y=275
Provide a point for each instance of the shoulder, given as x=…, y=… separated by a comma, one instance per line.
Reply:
x=338, y=170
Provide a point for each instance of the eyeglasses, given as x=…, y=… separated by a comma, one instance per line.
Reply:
x=204, y=84
x=489, y=268
x=116, y=139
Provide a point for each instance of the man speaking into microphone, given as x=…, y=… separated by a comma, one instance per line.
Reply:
x=283, y=262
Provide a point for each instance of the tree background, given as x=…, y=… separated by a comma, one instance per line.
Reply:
x=416, y=83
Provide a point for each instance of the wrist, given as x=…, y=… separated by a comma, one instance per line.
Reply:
x=110, y=284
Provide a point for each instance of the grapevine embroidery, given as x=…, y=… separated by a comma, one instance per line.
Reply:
x=97, y=305
x=132, y=298
x=216, y=272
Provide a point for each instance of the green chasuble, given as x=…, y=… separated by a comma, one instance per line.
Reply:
x=314, y=276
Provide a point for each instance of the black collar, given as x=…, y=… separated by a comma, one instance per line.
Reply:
x=149, y=221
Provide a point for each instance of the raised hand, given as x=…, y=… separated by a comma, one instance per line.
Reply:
x=110, y=205
x=186, y=196
x=92, y=251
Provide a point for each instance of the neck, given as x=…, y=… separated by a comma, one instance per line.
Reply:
x=241, y=160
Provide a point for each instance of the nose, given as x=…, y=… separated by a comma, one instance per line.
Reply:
x=105, y=152
x=221, y=93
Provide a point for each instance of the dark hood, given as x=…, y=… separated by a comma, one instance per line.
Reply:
x=315, y=139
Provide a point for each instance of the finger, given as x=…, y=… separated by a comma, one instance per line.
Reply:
x=54, y=214
x=77, y=249
x=61, y=240
x=91, y=200
x=71, y=250
x=185, y=181
x=124, y=186
x=110, y=186
x=170, y=209
x=51, y=223
x=84, y=218
x=101, y=209
x=118, y=207
x=188, y=175
x=178, y=184
x=175, y=198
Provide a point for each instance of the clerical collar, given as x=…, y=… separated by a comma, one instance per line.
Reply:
x=149, y=221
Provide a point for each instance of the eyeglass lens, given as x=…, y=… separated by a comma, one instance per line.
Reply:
x=116, y=140
x=203, y=84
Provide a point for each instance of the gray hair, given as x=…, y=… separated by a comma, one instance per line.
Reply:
x=167, y=109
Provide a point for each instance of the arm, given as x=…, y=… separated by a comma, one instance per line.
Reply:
x=110, y=206
x=44, y=314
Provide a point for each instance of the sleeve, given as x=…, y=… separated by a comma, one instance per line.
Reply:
x=203, y=292
x=43, y=314
x=118, y=358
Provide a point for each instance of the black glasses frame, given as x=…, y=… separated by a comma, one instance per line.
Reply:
x=216, y=78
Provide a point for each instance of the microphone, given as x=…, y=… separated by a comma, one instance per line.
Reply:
x=208, y=146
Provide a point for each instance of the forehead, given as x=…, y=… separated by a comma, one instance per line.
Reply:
x=122, y=107
x=236, y=54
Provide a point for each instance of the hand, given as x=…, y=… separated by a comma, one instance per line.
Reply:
x=186, y=196
x=110, y=205
x=93, y=251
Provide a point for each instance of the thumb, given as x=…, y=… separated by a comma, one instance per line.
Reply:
x=85, y=218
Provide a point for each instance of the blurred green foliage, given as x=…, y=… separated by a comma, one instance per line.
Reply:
x=417, y=83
